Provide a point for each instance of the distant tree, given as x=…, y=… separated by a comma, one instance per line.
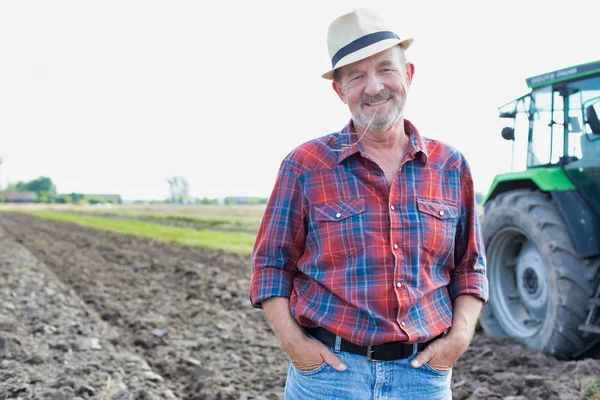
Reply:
x=179, y=189
x=77, y=198
x=45, y=197
x=16, y=187
x=62, y=199
x=206, y=200
x=41, y=184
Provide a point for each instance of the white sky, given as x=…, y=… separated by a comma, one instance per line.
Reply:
x=117, y=96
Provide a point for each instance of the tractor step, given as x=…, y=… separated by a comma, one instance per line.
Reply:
x=589, y=328
x=592, y=322
x=594, y=301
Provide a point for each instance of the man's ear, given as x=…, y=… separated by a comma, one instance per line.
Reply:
x=410, y=72
x=338, y=89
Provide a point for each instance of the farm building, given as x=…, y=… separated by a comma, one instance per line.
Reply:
x=19, y=197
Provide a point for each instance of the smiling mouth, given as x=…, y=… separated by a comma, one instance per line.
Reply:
x=376, y=104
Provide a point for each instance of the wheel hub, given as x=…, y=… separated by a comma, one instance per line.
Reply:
x=530, y=281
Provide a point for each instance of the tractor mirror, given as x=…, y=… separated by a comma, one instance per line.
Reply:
x=508, y=133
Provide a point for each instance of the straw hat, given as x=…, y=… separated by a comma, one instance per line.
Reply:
x=357, y=35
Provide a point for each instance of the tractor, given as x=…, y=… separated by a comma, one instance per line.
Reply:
x=541, y=225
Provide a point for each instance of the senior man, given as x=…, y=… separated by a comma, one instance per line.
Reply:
x=369, y=261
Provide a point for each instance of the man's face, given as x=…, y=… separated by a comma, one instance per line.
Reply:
x=380, y=83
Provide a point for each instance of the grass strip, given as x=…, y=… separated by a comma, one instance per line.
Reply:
x=233, y=242
x=206, y=221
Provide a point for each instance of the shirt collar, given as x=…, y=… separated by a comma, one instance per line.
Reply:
x=417, y=144
x=347, y=142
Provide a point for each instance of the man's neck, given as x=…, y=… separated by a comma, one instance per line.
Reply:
x=390, y=140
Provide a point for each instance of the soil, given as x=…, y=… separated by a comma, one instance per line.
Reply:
x=89, y=314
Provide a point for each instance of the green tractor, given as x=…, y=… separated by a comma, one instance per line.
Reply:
x=541, y=226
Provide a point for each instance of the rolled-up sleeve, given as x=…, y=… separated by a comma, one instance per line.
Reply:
x=280, y=239
x=469, y=275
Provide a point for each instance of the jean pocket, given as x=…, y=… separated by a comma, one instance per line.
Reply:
x=436, y=371
x=310, y=372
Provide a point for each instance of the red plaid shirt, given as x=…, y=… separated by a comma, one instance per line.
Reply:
x=368, y=264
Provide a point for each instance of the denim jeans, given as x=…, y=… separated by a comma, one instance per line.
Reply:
x=368, y=380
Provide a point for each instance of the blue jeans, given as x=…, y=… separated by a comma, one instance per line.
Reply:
x=368, y=380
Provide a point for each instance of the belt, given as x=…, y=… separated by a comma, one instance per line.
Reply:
x=383, y=352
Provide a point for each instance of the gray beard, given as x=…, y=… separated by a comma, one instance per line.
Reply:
x=380, y=122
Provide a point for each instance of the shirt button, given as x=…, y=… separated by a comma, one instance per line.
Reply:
x=395, y=246
x=338, y=215
x=392, y=207
x=399, y=284
x=402, y=323
x=442, y=213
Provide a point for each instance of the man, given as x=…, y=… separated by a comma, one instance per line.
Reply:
x=369, y=261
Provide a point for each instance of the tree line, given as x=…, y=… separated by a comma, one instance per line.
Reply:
x=45, y=191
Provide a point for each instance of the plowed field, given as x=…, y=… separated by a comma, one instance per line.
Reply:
x=87, y=314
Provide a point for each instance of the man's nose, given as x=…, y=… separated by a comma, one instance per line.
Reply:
x=373, y=85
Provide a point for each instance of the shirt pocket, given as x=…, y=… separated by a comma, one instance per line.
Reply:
x=340, y=227
x=438, y=225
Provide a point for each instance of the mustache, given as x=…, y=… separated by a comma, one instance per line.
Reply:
x=381, y=96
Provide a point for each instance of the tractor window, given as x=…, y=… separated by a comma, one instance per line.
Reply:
x=584, y=92
x=589, y=95
x=540, y=145
x=557, y=120
x=547, y=143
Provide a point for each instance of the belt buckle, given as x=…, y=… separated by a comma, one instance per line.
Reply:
x=370, y=351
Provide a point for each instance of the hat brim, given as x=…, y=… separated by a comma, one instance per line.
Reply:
x=368, y=52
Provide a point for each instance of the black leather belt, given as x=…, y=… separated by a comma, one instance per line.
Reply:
x=384, y=352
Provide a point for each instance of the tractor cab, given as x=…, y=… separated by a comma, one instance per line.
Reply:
x=560, y=117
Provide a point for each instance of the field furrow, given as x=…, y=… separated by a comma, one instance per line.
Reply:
x=184, y=310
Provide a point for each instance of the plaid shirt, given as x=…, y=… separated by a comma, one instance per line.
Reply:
x=370, y=264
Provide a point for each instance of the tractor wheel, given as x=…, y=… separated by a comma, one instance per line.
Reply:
x=539, y=287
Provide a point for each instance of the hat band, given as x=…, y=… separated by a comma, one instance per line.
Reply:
x=361, y=43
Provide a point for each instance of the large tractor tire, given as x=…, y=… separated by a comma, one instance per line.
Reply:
x=539, y=287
